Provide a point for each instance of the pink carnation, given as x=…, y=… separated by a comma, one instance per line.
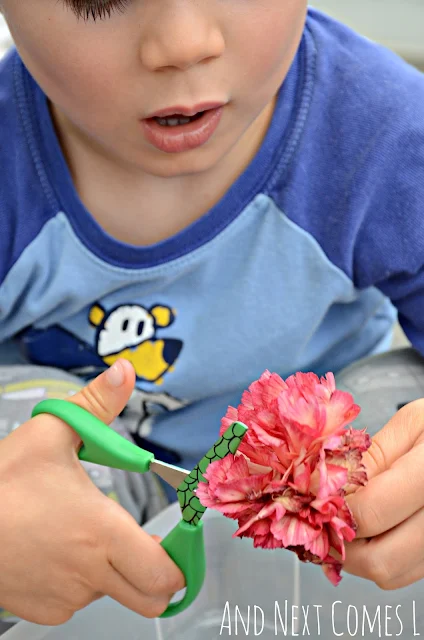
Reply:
x=287, y=483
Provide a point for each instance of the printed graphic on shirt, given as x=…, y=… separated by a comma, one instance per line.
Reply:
x=144, y=406
x=130, y=331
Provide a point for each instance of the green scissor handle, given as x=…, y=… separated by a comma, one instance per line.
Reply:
x=185, y=545
x=102, y=445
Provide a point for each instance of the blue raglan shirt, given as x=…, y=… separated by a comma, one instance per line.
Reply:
x=302, y=265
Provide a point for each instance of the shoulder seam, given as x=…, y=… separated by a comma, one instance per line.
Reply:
x=29, y=134
x=320, y=246
x=309, y=63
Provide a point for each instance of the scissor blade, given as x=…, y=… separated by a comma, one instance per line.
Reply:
x=172, y=475
x=191, y=507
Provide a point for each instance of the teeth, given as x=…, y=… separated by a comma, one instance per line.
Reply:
x=172, y=122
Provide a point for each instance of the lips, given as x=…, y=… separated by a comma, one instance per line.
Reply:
x=185, y=111
x=174, y=137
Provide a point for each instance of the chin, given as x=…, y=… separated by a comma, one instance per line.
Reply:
x=193, y=162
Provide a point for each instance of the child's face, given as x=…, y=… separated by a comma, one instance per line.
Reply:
x=106, y=76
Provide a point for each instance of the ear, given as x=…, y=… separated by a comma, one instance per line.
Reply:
x=96, y=315
x=164, y=316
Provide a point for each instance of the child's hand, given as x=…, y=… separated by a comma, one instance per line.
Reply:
x=63, y=543
x=389, y=510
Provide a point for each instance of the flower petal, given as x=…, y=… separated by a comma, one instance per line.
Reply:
x=332, y=571
x=341, y=410
x=319, y=546
x=244, y=488
x=293, y=531
x=287, y=484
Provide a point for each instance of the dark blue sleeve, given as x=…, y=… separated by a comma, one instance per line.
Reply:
x=24, y=207
x=357, y=181
x=389, y=247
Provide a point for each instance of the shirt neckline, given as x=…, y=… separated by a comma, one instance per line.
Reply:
x=57, y=181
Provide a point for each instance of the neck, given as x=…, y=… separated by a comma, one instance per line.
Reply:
x=142, y=209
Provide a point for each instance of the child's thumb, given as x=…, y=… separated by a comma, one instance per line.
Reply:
x=106, y=396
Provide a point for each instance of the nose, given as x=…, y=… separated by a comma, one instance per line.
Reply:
x=180, y=35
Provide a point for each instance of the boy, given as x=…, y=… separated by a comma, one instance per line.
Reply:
x=207, y=190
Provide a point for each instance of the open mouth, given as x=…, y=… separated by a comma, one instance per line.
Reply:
x=177, y=119
x=178, y=132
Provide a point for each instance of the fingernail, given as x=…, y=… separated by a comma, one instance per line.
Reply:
x=115, y=375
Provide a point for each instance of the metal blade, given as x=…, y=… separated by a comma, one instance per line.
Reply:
x=191, y=507
x=172, y=475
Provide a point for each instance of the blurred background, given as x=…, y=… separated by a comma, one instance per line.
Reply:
x=396, y=24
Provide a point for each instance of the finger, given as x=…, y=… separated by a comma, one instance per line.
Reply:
x=105, y=397
x=119, y=589
x=415, y=574
x=140, y=560
x=386, y=559
x=391, y=497
x=396, y=438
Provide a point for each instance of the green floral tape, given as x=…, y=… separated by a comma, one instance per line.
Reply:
x=191, y=507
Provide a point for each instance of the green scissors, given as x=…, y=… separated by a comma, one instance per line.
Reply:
x=103, y=446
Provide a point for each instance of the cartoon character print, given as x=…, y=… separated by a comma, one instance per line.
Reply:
x=129, y=331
